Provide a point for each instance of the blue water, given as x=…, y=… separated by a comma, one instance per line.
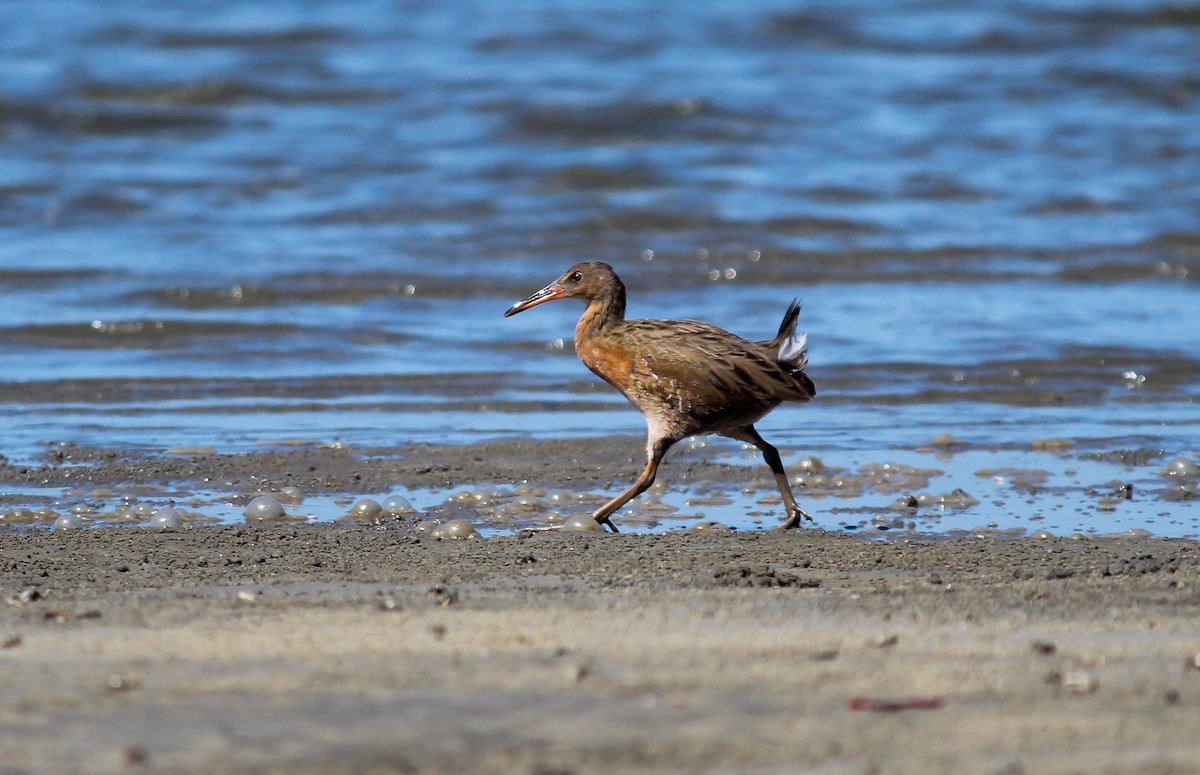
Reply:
x=243, y=223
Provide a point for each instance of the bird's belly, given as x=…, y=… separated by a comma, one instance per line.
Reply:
x=687, y=413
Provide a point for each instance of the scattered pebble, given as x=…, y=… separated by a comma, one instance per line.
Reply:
x=132, y=756
x=24, y=597
x=579, y=671
x=891, y=706
x=122, y=683
x=1077, y=681
x=443, y=595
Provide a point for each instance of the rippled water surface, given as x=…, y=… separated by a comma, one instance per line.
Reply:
x=238, y=224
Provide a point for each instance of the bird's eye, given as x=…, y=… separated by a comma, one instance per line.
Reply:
x=575, y=277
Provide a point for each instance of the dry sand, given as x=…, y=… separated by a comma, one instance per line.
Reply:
x=353, y=648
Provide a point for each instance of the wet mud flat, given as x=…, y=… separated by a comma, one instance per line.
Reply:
x=376, y=648
x=938, y=488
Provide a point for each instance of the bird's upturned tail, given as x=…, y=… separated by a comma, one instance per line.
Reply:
x=791, y=348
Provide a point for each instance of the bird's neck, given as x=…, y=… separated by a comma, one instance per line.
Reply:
x=602, y=313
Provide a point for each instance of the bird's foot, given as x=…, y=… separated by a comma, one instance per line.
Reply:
x=607, y=523
x=794, y=519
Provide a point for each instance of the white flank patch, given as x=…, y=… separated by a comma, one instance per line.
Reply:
x=792, y=350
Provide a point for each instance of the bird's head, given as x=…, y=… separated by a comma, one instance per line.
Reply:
x=588, y=281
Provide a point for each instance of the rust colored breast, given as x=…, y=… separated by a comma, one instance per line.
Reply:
x=609, y=360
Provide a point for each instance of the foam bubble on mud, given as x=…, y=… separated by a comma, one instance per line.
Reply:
x=454, y=529
x=943, y=445
x=200, y=450
x=458, y=529
x=819, y=479
x=264, y=507
x=1020, y=479
x=581, y=523
x=18, y=516
x=290, y=494
x=897, y=496
x=68, y=522
x=1133, y=532
x=708, y=527
x=1057, y=446
x=955, y=499
x=1181, y=468
x=398, y=505
x=482, y=496
x=167, y=518
x=367, y=508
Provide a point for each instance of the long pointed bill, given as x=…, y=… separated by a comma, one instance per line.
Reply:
x=549, y=293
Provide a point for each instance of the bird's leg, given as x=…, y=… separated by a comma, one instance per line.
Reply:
x=655, y=449
x=771, y=455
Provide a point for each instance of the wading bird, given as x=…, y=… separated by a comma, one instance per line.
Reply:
x=687, y=377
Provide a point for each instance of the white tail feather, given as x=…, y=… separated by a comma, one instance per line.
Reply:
x=794, y=347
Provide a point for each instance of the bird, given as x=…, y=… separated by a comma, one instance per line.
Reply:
x=687, y=377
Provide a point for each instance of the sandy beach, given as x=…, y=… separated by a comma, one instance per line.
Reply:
x=375, y=648
x=268, y=248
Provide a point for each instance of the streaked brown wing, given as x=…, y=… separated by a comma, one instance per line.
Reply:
x=710, y=371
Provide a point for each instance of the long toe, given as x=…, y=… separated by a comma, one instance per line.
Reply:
x=794, y=519
x=608, y=523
